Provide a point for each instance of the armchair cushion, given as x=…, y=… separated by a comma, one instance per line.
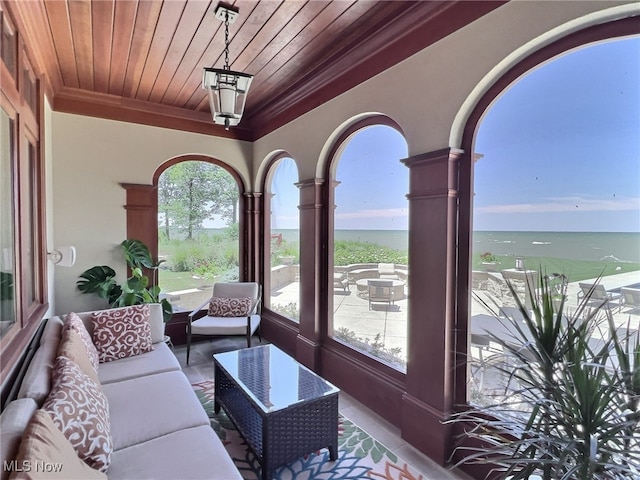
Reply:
x=122, y=332
x=229, y=307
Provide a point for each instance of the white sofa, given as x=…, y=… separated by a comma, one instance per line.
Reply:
x=158, y=427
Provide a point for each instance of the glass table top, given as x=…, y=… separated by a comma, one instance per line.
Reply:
x=272, y=378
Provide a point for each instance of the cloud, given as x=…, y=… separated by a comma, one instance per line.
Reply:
x=566, y=204
x=377, y=213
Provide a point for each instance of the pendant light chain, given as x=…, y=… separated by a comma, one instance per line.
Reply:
x=226, y=41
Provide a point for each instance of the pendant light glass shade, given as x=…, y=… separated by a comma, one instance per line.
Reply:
x=227, y=94
x=227, y=89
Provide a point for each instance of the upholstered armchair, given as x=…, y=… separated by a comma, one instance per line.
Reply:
x=233, y=309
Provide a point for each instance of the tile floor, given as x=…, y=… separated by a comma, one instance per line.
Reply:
x=201, y=368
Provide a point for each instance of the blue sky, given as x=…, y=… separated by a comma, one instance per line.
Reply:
x=560, y=152
x=374, y=183
x=286, y=196
x=561, y=147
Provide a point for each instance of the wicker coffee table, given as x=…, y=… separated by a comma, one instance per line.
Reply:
x=281, y=408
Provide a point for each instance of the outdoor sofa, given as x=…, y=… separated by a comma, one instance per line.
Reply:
x=158, y=428
x=359, y=271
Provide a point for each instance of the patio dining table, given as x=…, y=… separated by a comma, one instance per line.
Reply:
x=397, y=285
x=502, y=328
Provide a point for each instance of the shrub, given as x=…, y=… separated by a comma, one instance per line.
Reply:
x=347, y=252
x=376, y=348
x=207, y=256
x=290, y=310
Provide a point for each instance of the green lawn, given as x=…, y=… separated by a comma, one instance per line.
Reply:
x=174, y=281
x=575, y=270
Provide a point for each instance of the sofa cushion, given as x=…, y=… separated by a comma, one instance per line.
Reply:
x=44, y=444
x=122, y=332
x=36, y=383
x=194, y=453
x=80, y=410
x=52, y=330
x=161, y=359
x=229, y=307
x=13, y=423
x=149, y=407
x=72, y=347
x=74, y=322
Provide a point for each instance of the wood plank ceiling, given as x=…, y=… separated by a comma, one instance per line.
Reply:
x=142, y=60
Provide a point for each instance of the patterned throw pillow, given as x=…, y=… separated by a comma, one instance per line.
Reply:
x=122, y=332
x=72, y=347
x=74, y=322
x=229, y=307
x=80, y=410
x=44, y=444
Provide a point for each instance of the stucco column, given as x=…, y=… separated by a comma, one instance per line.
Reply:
x=312, y=273
x=428, y=399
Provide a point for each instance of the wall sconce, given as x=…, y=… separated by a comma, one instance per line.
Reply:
x=63, y=256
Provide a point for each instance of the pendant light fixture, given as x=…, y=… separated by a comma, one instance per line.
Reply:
x=227, y=89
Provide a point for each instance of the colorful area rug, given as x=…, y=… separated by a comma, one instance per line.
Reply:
x=359, y=455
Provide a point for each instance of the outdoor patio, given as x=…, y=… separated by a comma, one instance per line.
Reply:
x=351, y=310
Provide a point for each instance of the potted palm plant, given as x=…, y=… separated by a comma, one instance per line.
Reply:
x=136, y=290
x=573, y=404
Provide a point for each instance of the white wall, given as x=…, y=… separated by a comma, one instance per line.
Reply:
x=90, y=158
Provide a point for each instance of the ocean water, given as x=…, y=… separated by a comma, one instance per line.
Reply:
x=607, y=246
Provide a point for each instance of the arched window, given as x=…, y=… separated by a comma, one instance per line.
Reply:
x=198, y=231
x=284, y=246
x=368, y=263
x=556, y=193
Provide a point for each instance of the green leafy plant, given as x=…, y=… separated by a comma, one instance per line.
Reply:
x=137, y=290
x=290, y=310
x=376, y=347
x=6, y=286
x=488, y=257
x=572, y=405
x=347, y=252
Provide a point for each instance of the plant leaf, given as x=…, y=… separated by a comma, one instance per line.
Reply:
x=137, y=254
x=98, y=279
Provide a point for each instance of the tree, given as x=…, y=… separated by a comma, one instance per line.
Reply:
x=191, y=192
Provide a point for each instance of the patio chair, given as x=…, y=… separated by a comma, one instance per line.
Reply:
x=489, y=364
x=478, y=364
x=380, y=291
x=388, y=271
x=233, y=309
x=631, y=299
x=598, y=295
x=341, y=280
x=479, y=280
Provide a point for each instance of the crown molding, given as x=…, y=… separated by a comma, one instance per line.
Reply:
x=113, y=107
